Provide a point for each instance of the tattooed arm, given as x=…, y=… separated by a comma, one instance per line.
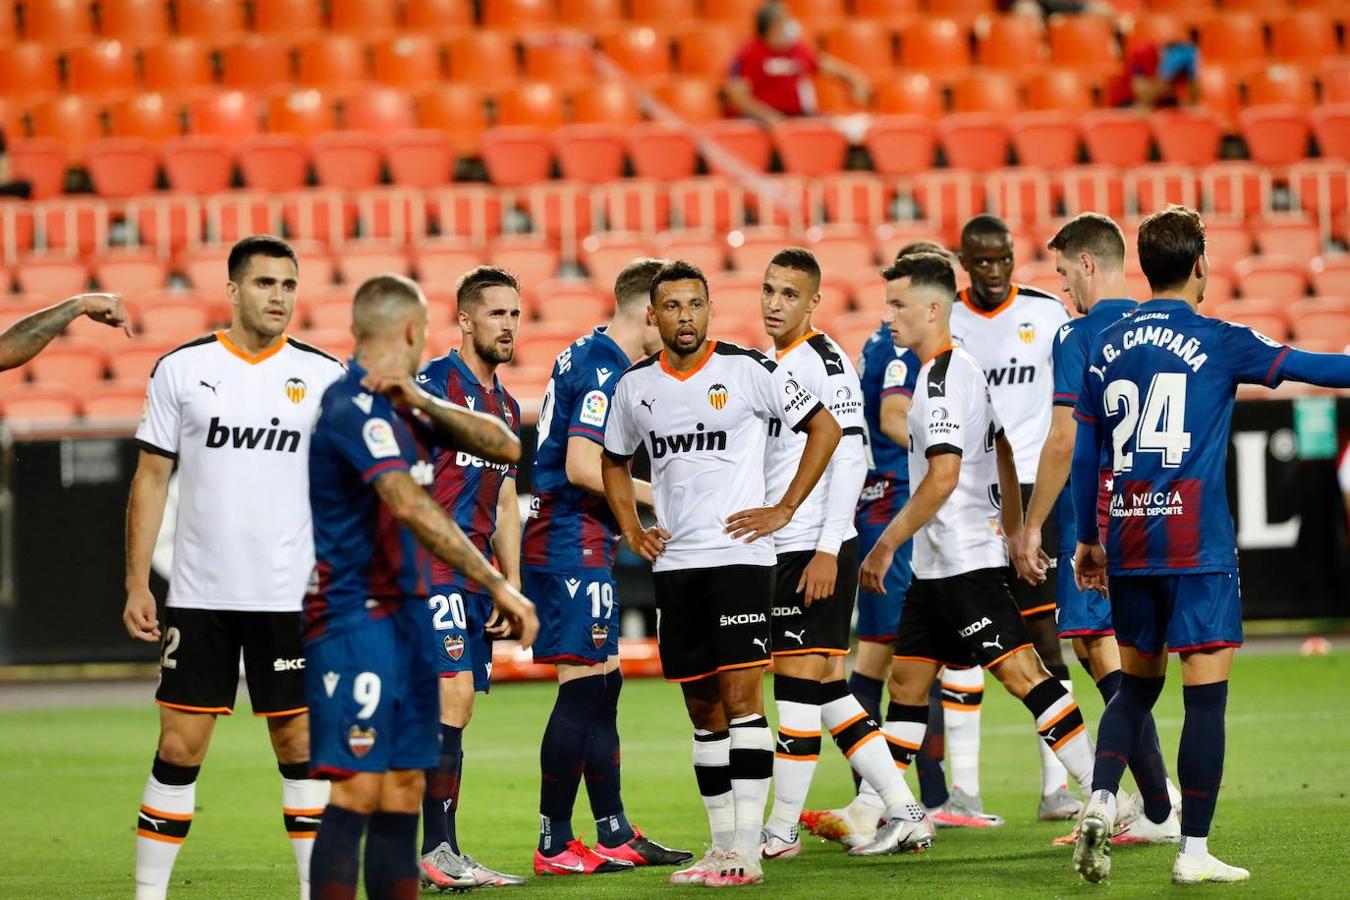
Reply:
x=479, y=433
x=25, y=338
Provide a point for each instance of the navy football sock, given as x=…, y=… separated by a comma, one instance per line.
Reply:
x=1121, y=725
x=1200, y=759
x=562, y=758
x=932, y=777
x=391, y=857
x=335, y=860
x=440, y=802
x=602, y=769
x=1146, y=761
x=868, y=693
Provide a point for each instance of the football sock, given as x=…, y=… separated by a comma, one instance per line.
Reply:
x=162, y=825
x=798, y=750
x=391, y=858
x=1053, y=774
x=602, y=769
x=302, y=802
x=1194, y=846
x=334, y=864
x=712, y=771
x=1200, y=758
x=440, y=800
x=1145, y=757
x=868, y=692
x=928, y=761
x=1060, y=725
x=864, y=746
x=1118, y=732
x=751, y=768
x=962, y=693
x=562, y=758
x=904, y=729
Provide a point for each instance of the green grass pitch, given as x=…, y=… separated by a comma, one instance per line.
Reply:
x=72, y=778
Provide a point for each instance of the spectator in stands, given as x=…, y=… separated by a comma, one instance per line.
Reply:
x=1043, y=9
x=770, y=79
x=1155, y=75
x=8, y=186
x=25, y=339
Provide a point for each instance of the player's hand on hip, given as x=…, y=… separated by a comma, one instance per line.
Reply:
x=139, y=615
x=105, y=308
x=1089, y=567
x=648, y=543
x=398, y=386
x=817, y=581
x=511, y=605
x=872, y=575
x=753, y=524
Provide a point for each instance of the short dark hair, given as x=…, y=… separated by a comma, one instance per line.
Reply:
x=1093, y=233
x=469, y=289
x=242, y=253
x=922, y=247
x=677, y=270
x=380, y=300
x=766, y=16
x=798, y=258
x=1170, y=241
x=635, y=281
x=984, y=225
x=924, y=270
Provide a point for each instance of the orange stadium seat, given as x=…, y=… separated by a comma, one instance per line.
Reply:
x=834, y=96
x=977, y=142
x=74, y=368
x=561, y=58
x=1291, y=235
x=1234, y=187
x=1331, y=126
x=841, y=250
x=113, y=402
x=440, y=261
x=1334, y=75
x=197, y=165
x=531, y=258
x=347, y=160
x=1084, y=42
x=1219, y=92
x=516, y=156
x=1304, y=36
x=1331, y=275
x=485, y=59
x=740, y=13
x=589, y=153
x=710, y=201
x=378, y=110
x=256, y=63
x=333, y=61
x=1236, y=40
x=563, y=308
x=606, y=255
x=691, y=99
x=1271, y=276
x=1093, y=188
x=535, y=104
x=895, y=12
x=131, y=361
x=606, y=102
x=438, y=16
x=1159, y=185
x=967, y=12
x=1275, y=135
x=29, y=71
x=229, y=115
x=103, y=67
x=408, y=61
x=364, y=18
x=421, y=158
x=1326, y=319
x=663, y=14
x=702, y=248
x=867, y=45
x=178, y=66
x=58, y=23
x=818, y=15
x=1321, y=188
x=71, y=119
x=642, y=53
x=985, y=92
x=1059, y=90
x=1226, y=242
x=935, y=46
x=856, y=198
x=1046, y=140
x=1116, y=137
x=137, y=21
x=706, y=50
x=589, y=14
x=148, y=116
x=210, y=20
x=358, y=262
x=910, y=94
x=175, y=321
x=32, y=405
x=1012, y=43
x=518, y=16
x=42, y=162
x=663, y=152
x=122, y=167
x=55, y=276
x=273, y=162
x=1186, y=137
x=746, y=142
x=1281, y=84
x=287, y=17
x=901, y=145
x=810, y=147
x=303, y=113
x=455, y=109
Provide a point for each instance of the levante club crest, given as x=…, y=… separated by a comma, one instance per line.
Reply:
x=599, y=634
x=360, y=740
x=454, y=645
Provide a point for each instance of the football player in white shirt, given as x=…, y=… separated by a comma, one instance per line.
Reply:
x=959, y=608
x=816, y=580
x=702, y=410
x=233, y=411
x=1010, y=330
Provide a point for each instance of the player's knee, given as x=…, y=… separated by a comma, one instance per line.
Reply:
x=290, y=739
x=181, y=748
x=359, y=793
x=402, y=791
x=1020, y=672
x=457, y=700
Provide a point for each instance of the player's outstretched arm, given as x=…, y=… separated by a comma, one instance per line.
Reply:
x=583, y=468
x=1322, y=369
x=944, y=469
x=25, y=339
x=413, y=507
x=478, y=433
x=822, y=437
x=145, y=512
x=621, y=495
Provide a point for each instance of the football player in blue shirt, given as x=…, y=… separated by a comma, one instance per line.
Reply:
x=370, y=677
x=567, y=563
x=1157, y=399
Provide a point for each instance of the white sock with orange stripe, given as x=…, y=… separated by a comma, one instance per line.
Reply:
x=302, y=803
x=861, y=741
x=162, y=825
x=1060, y=725
x=962, y=693
x=798, y=750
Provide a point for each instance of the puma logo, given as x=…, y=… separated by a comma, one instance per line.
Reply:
x=762, y=644
x=796, y=636
x=996, y=642
x=786, y=744
x=1050, y=734
x=154, y=823
x=648, y=404
x=211, y=387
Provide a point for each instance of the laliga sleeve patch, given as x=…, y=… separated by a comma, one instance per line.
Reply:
x=593, y=408
x=379, y=437
x=896, y=373
x=1265, y=340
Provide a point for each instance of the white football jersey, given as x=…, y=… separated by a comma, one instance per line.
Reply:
x=1014, y=345
x=239, y=427
x=952, y=413
x=705, y=431
x=817, y=363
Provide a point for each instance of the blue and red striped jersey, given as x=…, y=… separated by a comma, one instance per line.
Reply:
x=884, y=370
x=368, y=564
x=570, y=528
x=467, y=487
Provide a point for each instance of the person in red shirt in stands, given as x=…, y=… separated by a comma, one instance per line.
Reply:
x=770, y=79
x=1156, y=75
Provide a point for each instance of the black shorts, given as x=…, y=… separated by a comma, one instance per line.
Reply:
x=712, y=620
x=199, y=661
x=1037, y=599
x=822, y=627
x=961, y=621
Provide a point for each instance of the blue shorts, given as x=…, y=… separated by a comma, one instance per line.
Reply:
x=373, y=698
x=1153, y=613
x=457, y=620
x=578, y=614
x=879, y=614
x=1079, y=613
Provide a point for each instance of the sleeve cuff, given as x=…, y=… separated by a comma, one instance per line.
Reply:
x=617, y=457
x=829, y=545
x=388, y=465
x=810, y=414
x=854, y=429
x=939, y=449
x=897, y=391
x=158, y=451
x=589, y=433
x=1084, y=417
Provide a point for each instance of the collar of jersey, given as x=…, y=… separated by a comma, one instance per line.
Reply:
x=779, y=354
x=601, y=333
x=1160, y=301
x=685, y=376
x=1113, y=305
x=458, y=361
x=1012, y=295
x=941, y=351
x=251, y=358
